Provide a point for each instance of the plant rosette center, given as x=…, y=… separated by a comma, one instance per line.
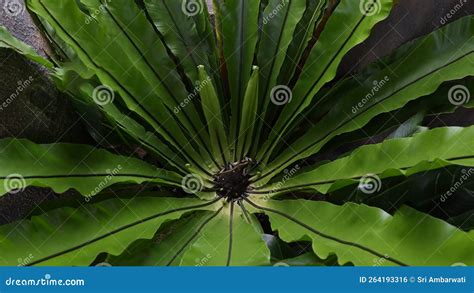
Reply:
x=233, y=181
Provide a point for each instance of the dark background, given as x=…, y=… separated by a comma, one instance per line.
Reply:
x=44, y=115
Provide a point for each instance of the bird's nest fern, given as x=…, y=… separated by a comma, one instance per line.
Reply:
x=231, y=108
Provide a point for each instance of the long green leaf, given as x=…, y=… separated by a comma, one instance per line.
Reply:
x=239, y=27
x=230, y=238
x=168, y=245
x=450, y=189
x=67, y=166
x=77, y=236
x=279, y=22
x=249, y=118
x=173, y=20
x=430, y=105
x=138, y=30
x=368, y=236
x=10, y=42
x=213, y=113
x=78, y=30
x=301, y=37
x=428, y=150
x=206, y=26
x=68, y=80
x=422, y=70
x=325, y=57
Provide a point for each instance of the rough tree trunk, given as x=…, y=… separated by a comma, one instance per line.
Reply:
x=36, y=111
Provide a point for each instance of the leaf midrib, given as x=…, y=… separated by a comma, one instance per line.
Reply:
x=239, y=80
x=90, y=176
